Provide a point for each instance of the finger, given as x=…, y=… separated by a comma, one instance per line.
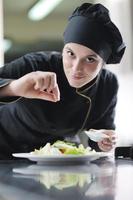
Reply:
x=108, y=141
x=106, y=147
x=41, y=83
x=56, y=93
x=52, y=83
x=111, y=133
x=45, y=96
x=46, y=83
x=38, y=84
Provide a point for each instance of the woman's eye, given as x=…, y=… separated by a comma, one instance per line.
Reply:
x=70, y=53
x=90, y=60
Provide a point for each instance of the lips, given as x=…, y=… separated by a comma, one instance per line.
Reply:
x=77, y=77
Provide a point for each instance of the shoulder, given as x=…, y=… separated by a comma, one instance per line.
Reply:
x=107, y=85
x=108, y=79
x=108, y=75
x=50, y=60
x=38, y=58
x=43, y=55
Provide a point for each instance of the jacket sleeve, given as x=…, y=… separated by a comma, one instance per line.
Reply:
x=5, y=100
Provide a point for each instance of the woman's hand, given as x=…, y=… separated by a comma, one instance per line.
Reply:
x=107, y=144
x=39, y=85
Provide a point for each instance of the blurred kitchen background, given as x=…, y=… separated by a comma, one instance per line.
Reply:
x=20, y=33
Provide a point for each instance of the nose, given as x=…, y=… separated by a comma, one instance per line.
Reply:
x=76, y=66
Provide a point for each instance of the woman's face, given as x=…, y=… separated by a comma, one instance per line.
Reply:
x=81, y=64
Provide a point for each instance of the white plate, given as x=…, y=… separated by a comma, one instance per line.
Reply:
x=60, y=159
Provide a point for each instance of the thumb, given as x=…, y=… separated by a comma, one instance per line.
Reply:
x=45, y=96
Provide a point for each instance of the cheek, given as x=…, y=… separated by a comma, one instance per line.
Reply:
x=94, y=70
x=66, y=64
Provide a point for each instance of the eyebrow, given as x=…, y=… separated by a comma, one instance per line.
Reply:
x=91, y=55
x=68, y=48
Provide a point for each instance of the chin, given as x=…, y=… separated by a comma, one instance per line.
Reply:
x=76, y=85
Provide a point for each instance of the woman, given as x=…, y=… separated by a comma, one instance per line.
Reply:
x=58, y=96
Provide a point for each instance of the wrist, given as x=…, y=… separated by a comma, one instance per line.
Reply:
x=11, y=89
x=7, y=89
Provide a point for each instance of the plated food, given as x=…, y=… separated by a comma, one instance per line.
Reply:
x=60, y=153
x=62, y=148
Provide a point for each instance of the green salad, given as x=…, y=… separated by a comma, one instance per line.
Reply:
x=62, y=148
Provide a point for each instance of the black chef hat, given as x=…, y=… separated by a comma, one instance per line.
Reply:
x=90, y=25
